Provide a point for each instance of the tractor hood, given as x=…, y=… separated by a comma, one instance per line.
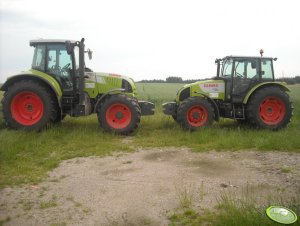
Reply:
x=104, y=74
x=105, y=82
x=212, y=88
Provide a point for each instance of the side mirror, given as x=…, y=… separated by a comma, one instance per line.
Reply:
x=217, y=61
x=69, y=47
x=90, y=54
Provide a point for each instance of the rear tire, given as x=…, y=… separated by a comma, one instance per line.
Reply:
x=120, y=114
x=28, y=105
x=194, y=113
x=270, y=108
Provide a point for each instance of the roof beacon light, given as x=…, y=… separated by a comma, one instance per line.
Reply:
x=261, y=51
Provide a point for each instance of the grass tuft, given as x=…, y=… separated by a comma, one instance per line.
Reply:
x=185, y=196
x=233, y=210
x=50, y=203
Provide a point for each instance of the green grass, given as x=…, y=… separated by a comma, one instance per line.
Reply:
x=224, y=135
x=26, y=157
x=157, y=92
x=49, y=204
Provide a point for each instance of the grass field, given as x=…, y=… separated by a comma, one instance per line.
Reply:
x=157, y=92
x=26, y=157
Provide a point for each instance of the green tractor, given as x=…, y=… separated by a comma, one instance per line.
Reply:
x=59, y=84
x=244, y=89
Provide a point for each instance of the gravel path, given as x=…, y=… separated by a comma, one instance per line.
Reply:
x=146, y=187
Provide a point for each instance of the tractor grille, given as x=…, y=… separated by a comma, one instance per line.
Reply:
x=185, y=94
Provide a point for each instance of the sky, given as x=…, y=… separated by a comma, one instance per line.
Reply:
x=154, y=39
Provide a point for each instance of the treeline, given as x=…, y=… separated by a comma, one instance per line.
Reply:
x=290, y=81
x=174, y=79
x=171, y=79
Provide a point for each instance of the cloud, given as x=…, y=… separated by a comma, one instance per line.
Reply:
x=154, y=38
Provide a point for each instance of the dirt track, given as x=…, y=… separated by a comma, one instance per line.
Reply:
x=145, y=187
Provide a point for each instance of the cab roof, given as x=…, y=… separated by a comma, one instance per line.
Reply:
x=243, y=57
x=48, y=41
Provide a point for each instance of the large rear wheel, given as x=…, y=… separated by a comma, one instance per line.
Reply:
x=28, y=105
x=120, y=114
x=194, y=113
x=270, y=108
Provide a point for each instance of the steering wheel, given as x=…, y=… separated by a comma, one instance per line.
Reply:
x=66, y=67
x=239, y=75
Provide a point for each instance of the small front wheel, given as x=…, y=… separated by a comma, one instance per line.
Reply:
x=195, y=112
x=120, y=114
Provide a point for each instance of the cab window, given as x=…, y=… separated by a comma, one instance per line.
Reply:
x=76, y=55
x=59, y=64
x=266, y=69
x=39, y=58
x=227, y=68
x=246, y=68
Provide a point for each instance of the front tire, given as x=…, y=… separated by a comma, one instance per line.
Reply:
x=28, y=105
x=59, y=117
x=120, y=114
x=270, y=108
x=194, y=113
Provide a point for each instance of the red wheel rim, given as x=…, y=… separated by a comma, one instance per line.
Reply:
x=27, y=108
x=272, y=110
x=118, y=116
x=197, y=116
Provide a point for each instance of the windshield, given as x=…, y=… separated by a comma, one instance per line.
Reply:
x=227, y=68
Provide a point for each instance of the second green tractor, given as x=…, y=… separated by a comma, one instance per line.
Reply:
x=244, y=89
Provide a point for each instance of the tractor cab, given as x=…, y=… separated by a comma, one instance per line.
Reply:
x=64, y=61
x=55, y=59
x=241, y=73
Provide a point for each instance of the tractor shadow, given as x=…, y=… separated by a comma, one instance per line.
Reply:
x=2, y=124
x=230, y=124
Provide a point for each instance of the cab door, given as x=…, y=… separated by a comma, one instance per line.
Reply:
x=59, y=65
x=245, y=76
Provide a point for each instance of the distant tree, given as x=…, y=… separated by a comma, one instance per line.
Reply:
x=289, y=80
x=173, y=79
x=191, y=80
x=297, y=79
x=152, y=81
